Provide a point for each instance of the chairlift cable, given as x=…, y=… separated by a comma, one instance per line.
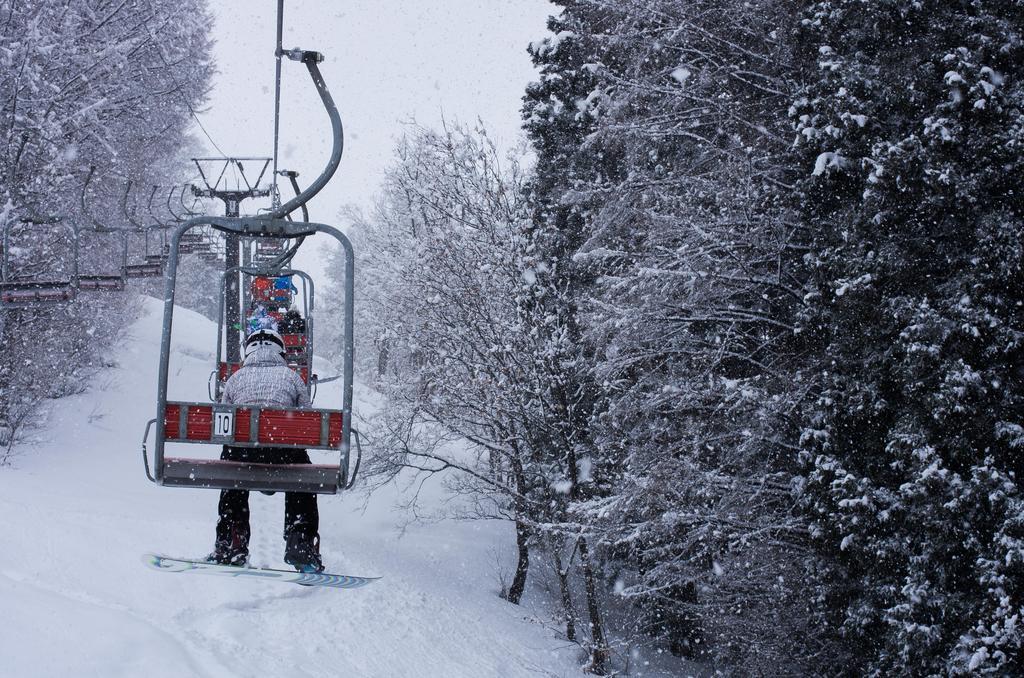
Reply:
x=184, y=99
x=275, y=195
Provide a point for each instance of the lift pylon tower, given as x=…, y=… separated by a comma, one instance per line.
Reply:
x=232, y=198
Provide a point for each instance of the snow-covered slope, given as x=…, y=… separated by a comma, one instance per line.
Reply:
x=77, y=513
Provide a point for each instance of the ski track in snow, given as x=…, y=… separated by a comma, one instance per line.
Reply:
x=76, y=599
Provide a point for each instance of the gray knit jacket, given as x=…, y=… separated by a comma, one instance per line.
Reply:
x=265, y=379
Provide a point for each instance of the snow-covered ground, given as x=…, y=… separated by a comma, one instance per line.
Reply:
x=77, y=513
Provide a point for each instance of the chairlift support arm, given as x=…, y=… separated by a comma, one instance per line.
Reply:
x=124, y=207
x=85, y=203
x=170, y=194
x=149, y=208
x=311, y=59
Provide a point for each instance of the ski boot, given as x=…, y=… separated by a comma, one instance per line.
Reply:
x=231, y=548
x=302, y=551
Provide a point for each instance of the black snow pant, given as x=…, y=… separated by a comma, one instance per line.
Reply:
x=300, y=511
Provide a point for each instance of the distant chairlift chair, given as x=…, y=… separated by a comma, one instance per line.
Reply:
x=19, y=290
x=266, y=252
x=298, y=341
x=152, y=265
x=103, y=282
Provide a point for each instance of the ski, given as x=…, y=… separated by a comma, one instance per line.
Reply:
x=338, y=581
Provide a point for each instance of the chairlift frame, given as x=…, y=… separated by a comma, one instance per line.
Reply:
x=252, y=426
x=151, y=266
x=103, y=282
x=100, y=281
x=29, y=293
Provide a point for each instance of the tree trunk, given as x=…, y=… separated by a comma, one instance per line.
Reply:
x=599, y=650
x=383, y=354
x=515, y=592
x=563, y=587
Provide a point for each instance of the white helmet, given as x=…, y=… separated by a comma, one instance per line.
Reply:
x=263, y=337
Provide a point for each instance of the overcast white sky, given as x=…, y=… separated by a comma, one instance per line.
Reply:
x=386, y=61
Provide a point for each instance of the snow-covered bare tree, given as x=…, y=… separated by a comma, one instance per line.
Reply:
x=440, y=269
x=83, y=84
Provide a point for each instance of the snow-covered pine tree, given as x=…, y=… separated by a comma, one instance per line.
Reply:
x=911, y=142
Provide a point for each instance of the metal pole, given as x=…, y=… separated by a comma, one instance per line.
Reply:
x=233, y=313
x=247, y=246
x=276, y=196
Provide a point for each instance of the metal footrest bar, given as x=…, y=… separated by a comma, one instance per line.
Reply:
x=25, y=294
x=235, y=475
x=97, y=283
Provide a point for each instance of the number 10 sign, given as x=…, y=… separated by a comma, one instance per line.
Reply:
x=224, y=424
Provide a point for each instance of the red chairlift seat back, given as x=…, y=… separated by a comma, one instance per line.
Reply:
x=252, y=426
x=296, y=350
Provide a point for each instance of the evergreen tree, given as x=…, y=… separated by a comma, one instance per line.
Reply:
x=910, y=140
x=661, y=132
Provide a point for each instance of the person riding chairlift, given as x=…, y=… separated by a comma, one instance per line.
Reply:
x=266, y=380
x=272, y=292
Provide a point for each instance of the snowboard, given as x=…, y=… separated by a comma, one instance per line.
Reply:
x=338, y=581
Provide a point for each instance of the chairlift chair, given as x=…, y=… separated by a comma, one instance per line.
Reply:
x=18, y=290
x=157, y=252
x=103, y=282
x=298, y=341
x=178, y=422
x=208, y=423
x=195, y=243
x=144, y=270
x=152, y=262
x=28, y=294
x=268, y=251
